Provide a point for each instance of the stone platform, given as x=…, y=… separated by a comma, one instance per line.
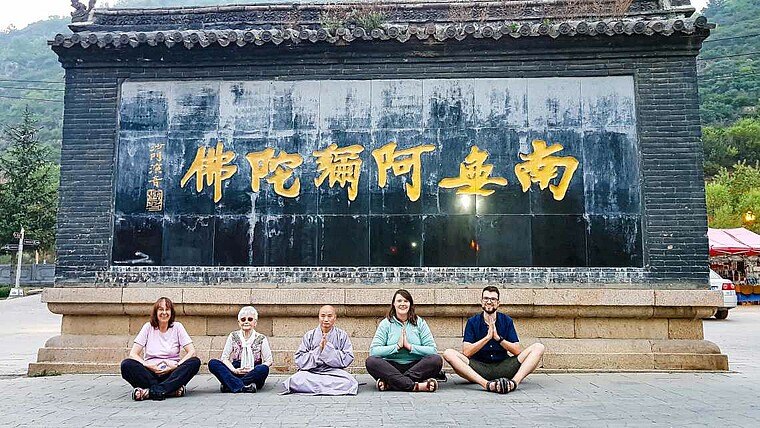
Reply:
x=583, y=329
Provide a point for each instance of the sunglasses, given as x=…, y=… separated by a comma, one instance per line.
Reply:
x=249, y=319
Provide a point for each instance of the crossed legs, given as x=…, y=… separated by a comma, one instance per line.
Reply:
x=529, y=359
x=404, y=377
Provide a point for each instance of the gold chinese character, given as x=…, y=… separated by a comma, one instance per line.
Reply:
x=343, y=166
x=155, y=200
x=386, y=158
x=473, y=175
x=156, y=181
x=541, y=168
x=156, y=168
x=281, y=169
x=211, y=164
x=155, y=152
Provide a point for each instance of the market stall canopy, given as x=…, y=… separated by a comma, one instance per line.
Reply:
x=739, y=241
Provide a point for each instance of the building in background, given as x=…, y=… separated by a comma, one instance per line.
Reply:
x=289, y=156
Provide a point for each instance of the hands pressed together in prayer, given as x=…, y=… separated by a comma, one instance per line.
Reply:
x=403, y=342
x=492, y=333
x=323, y=342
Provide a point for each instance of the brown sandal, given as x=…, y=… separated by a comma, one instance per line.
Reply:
x=140, y=394
x=431, y=385
x=382, y=385
x=180, y=392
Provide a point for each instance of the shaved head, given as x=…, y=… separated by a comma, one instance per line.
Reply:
x=327, y=317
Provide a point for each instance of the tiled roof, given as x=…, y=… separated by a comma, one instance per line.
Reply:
x=311, y=15
x=394, y=32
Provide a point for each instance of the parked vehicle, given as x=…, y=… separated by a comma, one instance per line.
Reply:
x=729, y=294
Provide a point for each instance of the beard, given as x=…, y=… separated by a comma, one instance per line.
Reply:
x=489, y=310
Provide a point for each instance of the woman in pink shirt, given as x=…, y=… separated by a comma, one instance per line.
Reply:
x=154, y=367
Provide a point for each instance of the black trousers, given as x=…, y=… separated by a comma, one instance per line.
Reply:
x=402, y=377
x=140, y=377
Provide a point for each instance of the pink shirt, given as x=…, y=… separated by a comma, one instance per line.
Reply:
x=162, y=346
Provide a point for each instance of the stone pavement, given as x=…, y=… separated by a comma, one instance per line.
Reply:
x=25, y=325
x=547, y=399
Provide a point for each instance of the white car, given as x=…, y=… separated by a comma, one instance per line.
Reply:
x=729, y=294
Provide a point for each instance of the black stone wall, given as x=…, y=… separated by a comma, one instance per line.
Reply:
x=664, y=71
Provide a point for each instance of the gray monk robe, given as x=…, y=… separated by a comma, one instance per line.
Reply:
x=321, y=373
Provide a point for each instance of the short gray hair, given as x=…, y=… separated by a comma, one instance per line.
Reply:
x=248, y=310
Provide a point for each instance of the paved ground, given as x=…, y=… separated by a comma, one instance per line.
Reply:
x=25, y=325
x=547, y=400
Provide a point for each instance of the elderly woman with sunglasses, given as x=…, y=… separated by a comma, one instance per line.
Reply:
x=245, y=361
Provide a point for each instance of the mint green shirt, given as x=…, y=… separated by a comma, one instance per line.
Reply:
x=387, y=337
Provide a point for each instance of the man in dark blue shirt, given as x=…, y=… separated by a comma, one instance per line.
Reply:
x=491, y=354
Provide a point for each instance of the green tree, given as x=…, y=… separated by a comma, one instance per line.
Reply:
x=729, y=73
x=726, y=146
x=730, y=194
x=29, y=185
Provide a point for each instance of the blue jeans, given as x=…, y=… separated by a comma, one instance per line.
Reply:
x=235, y=382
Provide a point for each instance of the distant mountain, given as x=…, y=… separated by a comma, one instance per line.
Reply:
x=729, y=68
x=31, y=75
x=26, y=61
x=728, y=65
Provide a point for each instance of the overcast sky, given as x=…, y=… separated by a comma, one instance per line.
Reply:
x=23, y=12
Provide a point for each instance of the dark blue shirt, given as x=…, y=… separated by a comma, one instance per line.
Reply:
x=477, y=329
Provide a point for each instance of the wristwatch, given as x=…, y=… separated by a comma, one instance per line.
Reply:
x=501, y=339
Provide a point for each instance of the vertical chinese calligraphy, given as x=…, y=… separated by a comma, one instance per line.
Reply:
x=539, y=167
x=155, y=192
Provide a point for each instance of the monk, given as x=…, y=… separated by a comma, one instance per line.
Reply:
x=321, y=359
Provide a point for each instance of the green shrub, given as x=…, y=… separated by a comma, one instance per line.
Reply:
x=4, y=292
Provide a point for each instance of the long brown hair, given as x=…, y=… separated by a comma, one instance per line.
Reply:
x=412, y=317
x=154, y=313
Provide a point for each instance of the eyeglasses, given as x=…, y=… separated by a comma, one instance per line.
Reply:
x=249, y=319
x=490, y=299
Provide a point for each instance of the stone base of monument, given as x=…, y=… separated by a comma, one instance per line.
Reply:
x=582, y=329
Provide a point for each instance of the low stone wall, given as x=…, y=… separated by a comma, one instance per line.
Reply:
x=583, y=329
x=33, y=274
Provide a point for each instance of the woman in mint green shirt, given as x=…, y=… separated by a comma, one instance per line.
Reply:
x=403, y=354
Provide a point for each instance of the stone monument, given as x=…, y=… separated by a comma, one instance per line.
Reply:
x=289, y=156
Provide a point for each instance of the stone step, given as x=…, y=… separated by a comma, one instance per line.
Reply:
x=66, y=351
x=590, y=326
x=216, y=343
x=577, y=362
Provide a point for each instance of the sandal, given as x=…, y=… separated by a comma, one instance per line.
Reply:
x=431, y=385
x=511, y=386
x=140, y=394
x=180, y=392
x=494, y=386
x=382, y=385
x=501, y=385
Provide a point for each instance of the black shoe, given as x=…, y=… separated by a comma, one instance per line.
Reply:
x=441, y=376
x=156, y=394
x=249, y=388
x=224, y=388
